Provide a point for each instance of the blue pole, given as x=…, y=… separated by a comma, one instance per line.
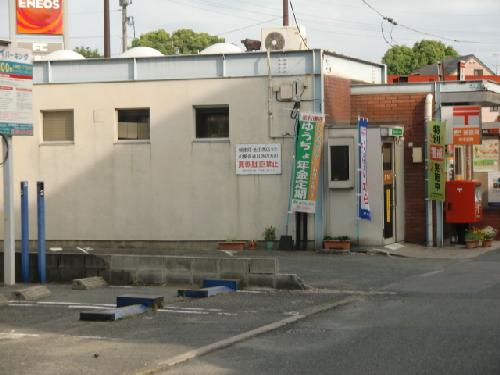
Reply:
x=25, y=235
x=41, y=230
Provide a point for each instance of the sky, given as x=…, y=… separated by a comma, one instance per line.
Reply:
x=345, y=26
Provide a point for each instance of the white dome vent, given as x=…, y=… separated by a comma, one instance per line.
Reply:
x=61, y=55
x=221, y=49
x=141, y=52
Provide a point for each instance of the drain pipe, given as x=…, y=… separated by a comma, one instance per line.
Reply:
x=428, y=203
x=270, y=93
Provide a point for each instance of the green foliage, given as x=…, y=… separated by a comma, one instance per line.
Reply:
x=403, y=60
x=336, y=238
x=473, y=235
x=488, y=233
x=87, y=52
x=270, y=233
x=431, y=51
x=399, y=60
x=182, y=41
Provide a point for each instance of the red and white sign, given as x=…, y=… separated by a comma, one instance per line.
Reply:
x=463, y=124
x=39, y=17
x=258, y=159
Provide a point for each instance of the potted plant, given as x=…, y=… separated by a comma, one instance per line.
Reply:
x=270, y=236
x=231, y=244
x=337, y=243
x=488, y=234
x=472, y=238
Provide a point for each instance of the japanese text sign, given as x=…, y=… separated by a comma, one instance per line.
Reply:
x=39, y=17
x=464, y=124
x=437, y=160
x=308, y=150
x=258, y=159
x=16, y=83
x=364, y=204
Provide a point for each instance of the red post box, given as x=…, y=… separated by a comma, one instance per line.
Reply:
x=463, y=202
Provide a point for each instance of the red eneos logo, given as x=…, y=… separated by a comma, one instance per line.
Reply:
x=39, y=17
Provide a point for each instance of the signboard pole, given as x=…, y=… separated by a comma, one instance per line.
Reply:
x=9, y=229
x=439, y=203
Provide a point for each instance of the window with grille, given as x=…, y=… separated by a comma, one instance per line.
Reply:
x=133, y=124
x=58, y=126
x=212, y=122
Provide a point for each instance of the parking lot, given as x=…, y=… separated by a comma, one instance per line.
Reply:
x=47, y=337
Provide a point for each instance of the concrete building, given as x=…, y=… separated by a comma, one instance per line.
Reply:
x=137, y=151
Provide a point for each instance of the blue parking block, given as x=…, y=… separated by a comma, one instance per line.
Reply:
x=154, y=302
x=203, y=293
x=233, y=284
x=109, y=315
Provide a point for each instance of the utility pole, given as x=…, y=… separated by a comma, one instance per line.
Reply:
x=107, y=37
x=125, y=22
x=285, y=13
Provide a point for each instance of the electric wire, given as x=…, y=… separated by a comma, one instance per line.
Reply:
x=409, y=28
x=6, y=150
x=297, y=25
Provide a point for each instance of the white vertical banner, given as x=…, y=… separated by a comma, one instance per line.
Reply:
x=364, y=204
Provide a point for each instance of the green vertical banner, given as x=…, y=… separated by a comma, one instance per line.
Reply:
x=437, y=160
x=308, y=150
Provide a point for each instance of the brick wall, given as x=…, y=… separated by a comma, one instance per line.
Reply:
x=407, y=110
x=337, y=100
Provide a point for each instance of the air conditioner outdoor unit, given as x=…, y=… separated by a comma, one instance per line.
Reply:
x=284, y=38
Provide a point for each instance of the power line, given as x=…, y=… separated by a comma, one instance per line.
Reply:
x=297, y=25
x=394, y=23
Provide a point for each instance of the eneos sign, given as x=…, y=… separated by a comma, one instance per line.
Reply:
x=39, y=17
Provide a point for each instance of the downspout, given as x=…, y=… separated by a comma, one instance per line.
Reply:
x=428, y=203
x=270, y=94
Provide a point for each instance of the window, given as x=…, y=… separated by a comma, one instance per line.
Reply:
x=341, y=163
x=58, y=126
x=478, y=72
x=133, y=124
x=212, y=122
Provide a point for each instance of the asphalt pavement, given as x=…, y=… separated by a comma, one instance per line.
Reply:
x=364, y=313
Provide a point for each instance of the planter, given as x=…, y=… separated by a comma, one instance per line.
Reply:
x=487, y=243
x=269, y=245
x=337, y=244
x=231, y=245
x=470, y=244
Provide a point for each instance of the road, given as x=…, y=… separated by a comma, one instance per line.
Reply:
x=404, y=316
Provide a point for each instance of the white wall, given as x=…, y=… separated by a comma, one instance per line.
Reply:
x=341, y=213
x=173, y=188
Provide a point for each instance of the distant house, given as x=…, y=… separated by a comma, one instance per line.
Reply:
x=473, y=68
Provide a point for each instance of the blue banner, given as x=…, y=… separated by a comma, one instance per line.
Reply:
x=364, y=205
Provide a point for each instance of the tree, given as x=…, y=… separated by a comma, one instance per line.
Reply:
x=404, y=60
x=183, y=41
x=431, y=51
x=399, y=60
x=87, y=52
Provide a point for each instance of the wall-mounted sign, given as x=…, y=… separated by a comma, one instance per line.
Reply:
x=486, y=156
x=395, y=132
x=463, y=124
x=437, y=160
x=258, y=159
x=39, y=17
x=494, y=189
x=16, y=83
x=308, y=150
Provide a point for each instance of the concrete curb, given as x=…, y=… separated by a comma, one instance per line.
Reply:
x=207, y=349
